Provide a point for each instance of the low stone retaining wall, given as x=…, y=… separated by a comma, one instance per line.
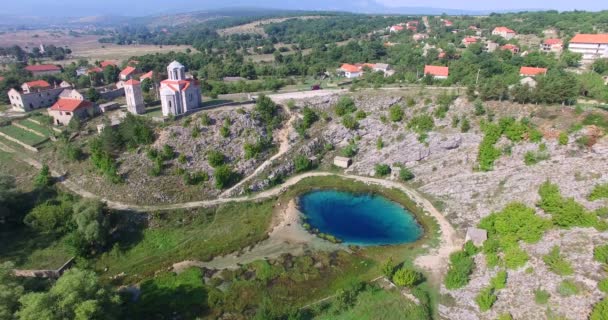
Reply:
x=20, y=126
x=51, y=274
x=40, y=124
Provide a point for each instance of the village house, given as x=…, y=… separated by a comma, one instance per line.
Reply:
x=591, y=46
x=490, y=46
x=552, y=45
x=532, y=71
x=351, y=71
x=65, y=109
x=134, y=97
x=437, y=72
x=178, y=94
x=469, y=41
x=478, y=31
x=149, y=75
x=34, y=95
x=420, y=36
x=342, y=162
x=94, y=70
x=107, y=63
x=71, y=94
x=43, y=69
x=128, y=73
x=510, y=47
x=396, y=28
x=528, y=81
x=81, y=71
x=504, y=32
x=413, y=23
x=447, y=23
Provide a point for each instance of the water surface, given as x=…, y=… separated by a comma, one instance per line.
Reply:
x=360, y=219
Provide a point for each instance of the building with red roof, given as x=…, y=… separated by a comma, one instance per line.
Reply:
x=510, y=47
x=43, y=69
x=396, y=28
x=552, y=45
x=94, y=70
x=447, y=23
x=469, y=41
x=106, y=63
x=591, y=46
x=65, y=109
x=149, y=75
x=350, y=71
x=128, y=73
x=179, y=95
x=504, y=32
x=437, y=72
x=35, y=86
x=532, y=71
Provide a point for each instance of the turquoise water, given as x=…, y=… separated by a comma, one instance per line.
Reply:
x=359, y=219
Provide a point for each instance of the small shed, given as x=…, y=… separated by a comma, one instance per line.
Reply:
x=342, y=162
x=105, y=107
x=477, y=236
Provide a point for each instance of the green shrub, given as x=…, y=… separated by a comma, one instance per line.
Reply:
x=556, y=263
x=215, y=158
x=225, y=132
x=600, y=254
x=461, y=267
x=302, y=163
x=388, y=268
x=505, y=316
x=349, y=122
x=465, y=125
x=600, y=311
x=345, y=106
x=406, y=174
x=515, y=257
x=568, y=288
x=565, y=212
x=360, y=115
x=43, y=178
x=382, y=170
x=486, y=299
x=541, y=296
x=205, y=120
x=563, y=139
x=516, y=222
x=603, y=285
x=349, y=151
x=395, y=113
x=406, y=277
x=167, y=153
x=499, y=281
x=421, y=124
x=487, y=153
x=479, y=109
x=379, y=143
x=224, y=177
x=600, y=191
x=182, y=158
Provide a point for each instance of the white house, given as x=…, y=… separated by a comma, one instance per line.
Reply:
x=351, y=71
x=552, y=45
x=504, y=32
x=178, y=94
x=591, y=46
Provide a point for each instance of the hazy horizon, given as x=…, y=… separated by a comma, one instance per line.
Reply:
x=69, y=8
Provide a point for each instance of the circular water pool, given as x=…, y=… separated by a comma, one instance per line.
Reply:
x=359, y=219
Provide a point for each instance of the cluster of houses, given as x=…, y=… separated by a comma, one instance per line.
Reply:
x=352, y=71
x=179, y=94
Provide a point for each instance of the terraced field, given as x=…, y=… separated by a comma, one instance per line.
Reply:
x=47, y=131
x=22, y=135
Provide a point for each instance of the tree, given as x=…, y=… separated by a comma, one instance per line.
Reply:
x=302, y=163
x=224, y=177
x=10, y=291
x=7, y=194
x=110, y=74
x=43, y=178
x=215, y=158
x=388, y=268
x=51, y=216
x=382, y=170
x=406, y=277
x=396, y=113
x=406, y=174
x=76, y=295
x=93, y=95
x=345, y=106
x=92, y=227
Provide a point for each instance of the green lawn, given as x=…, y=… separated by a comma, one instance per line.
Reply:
x=47, y=131
x=31, y=250
x=22, y=135
x=196, y=235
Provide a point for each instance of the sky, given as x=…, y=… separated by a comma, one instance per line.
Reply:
x=148, y=7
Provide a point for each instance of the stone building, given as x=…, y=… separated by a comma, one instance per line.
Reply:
x=43, y=69
x=34, y=95
x=179, y=94
x=64, y=110
x=135, y=97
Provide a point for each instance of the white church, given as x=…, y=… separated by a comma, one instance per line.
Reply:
x=179, y=95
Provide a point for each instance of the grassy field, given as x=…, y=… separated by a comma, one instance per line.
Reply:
x=47, y=131
x=22, y=135
x=32, y=250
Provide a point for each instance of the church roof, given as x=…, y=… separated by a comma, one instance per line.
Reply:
x=175, y=65
x=178, y=85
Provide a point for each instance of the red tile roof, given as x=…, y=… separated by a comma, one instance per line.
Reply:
x=441, y=55
x=552, y=41
x=397, y=28
x=532, y=71
x=511, y=47
x=470, y=40
x=95, y=70
x=349, y=68
x=70, y=105
x=132, y=82
x=590, y=38
x=106, y=63
x=437, y=71
x=148, y=75
x=128, y=71
x=503, y=29
x=38, y=84
x=175, y=85
x=42, y=68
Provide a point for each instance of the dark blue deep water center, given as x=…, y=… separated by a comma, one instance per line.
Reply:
x=359, y=219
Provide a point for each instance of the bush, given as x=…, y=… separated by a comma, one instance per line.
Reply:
x=302, y=163
x=603, y=285
x=215, y=158
x=566, y=212
x=382, y=170
x=541, y=296
x=388, y=268
x=534, y=157
x=499, y=281
x=556, y=263
x=395, y=113
x=406, y=174
x=182, y=158
x=461, y=267
x=345, y=106
x=486, y=299
x=349, y=151
x=406, y=277
x=224, y=177
x=196, y=178
x=465, y=126
x=167, y=153
x=349, y=122
x=505, y=316
x=568, y=288
x=600, y=254
x=379, y=143
x=600, y=311
x=225, y=132
x=43, y=178
x=600, y=191
x=479, y=109
x=515, y=257
x=360, y=115
x=421, y=124
x=563, y=139
x=205, y=120
x=487, y=152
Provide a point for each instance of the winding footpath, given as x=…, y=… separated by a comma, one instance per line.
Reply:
x=436, y=261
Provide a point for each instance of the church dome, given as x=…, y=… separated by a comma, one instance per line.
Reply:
x=175, y=65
